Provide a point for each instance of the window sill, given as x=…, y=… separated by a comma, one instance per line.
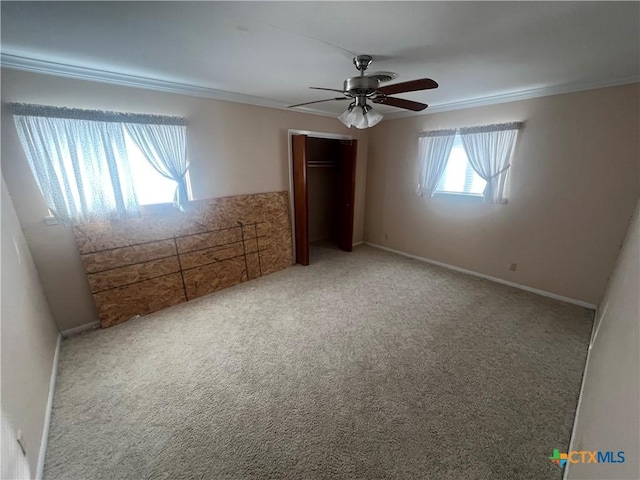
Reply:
x=469, y=196
x=158, y=209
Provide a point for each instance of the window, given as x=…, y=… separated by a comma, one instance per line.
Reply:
x=94, y=166
x=471, y=161
x=151, y=188
x=459, y=177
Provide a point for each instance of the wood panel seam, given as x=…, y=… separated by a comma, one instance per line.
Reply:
x=184, y=287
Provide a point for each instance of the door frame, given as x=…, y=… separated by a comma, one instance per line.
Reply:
x=308, y=133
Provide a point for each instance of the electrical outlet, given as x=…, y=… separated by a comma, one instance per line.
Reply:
x=21, y=442
x=513, y=267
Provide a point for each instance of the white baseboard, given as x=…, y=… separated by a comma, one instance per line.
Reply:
x=82, y=328
x=487, y=277
x=47, y=415
x=358, y=243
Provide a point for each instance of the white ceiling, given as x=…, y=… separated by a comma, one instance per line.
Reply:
x=271, y=52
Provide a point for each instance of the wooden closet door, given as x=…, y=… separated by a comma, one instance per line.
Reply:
x=300, y=198
x=347, y=192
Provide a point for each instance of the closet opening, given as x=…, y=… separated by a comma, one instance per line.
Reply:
x=323, y=193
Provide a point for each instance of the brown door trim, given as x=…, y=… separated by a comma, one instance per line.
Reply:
x=347, y=196
x=300, y=198
x=309, y=133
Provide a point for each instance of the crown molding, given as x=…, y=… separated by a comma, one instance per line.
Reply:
x=518, y=95
x=47, y=67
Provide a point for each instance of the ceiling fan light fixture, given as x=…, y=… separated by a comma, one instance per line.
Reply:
x=348, y=116
x=360, y=115
x=373, y=117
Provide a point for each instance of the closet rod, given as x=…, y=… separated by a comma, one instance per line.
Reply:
x=321, y=162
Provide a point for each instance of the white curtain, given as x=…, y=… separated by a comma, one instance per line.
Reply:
x=433, y=151
x=81, y=167
x=490, y=150
x=164, y=146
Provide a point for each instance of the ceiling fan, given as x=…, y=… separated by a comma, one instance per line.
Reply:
x=367, y=87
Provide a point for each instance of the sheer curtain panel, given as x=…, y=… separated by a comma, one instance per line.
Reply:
x=80, y=165
x=433, y=152
x=490, y=150
x=164, y=146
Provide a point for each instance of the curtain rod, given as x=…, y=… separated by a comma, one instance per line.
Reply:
x=495, y=127
x=30, y=110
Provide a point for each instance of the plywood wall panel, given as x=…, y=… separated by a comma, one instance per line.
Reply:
x=254, y=269
x=212, y=239
x=141, y=265
x=251, y=245
x=121, y=304
x=211, y=255
x=272, y=258
x=119, y=257
x=133, y=273
x=250, y=231
x=211, y=278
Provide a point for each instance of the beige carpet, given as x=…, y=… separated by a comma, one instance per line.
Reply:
x=365, y=365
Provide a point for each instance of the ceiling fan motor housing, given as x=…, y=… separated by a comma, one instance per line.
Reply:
x=361, y=85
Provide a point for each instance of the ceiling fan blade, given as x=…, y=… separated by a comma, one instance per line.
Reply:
x=327, y=89
x=401, y=103
x=317, y=101
x=410, y=86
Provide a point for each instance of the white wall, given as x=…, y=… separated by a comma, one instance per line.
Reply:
x=574, y=185
x=28, y=336
x=234, y=149
x=608, y=418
